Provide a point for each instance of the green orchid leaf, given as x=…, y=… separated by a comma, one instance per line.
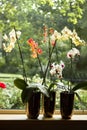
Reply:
x=26, y=94
x=51, y=86
x=43, y=90
x=39, y=87
x=33, y=87
x=20, y=83
x=83, y=104
x=82, y=85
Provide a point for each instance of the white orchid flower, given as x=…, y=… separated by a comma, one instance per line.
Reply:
x=73, y=52
x=8, y=48
x=18, y=34
x=12, y=39
x=62, y=64
x=76, y=39
x=52, y=72
x=66, y=33
x=56, y=69
x=5, y=37
x=53, y=65
x=57, y=35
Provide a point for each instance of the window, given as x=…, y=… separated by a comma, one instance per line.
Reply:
x=29, y=18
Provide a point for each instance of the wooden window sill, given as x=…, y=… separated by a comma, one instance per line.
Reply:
x=24, y=117
x=20, y=121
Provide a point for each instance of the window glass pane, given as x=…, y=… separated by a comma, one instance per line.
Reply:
x=38, y=20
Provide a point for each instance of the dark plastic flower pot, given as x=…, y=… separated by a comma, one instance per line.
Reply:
x=33, y=106
x=49, y=104
x=66, y=104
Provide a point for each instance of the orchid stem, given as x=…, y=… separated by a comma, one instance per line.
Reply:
x=48, y=63
x=40, y=64
x=24, y=72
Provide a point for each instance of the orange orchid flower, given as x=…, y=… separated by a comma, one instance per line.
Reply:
x=34, y=47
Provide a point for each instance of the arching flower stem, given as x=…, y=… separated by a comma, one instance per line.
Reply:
x=50, y=55
x=21, y=56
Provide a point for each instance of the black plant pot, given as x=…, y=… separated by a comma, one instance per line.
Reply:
x=66, y=104
x=49, y=104
x=33, y=106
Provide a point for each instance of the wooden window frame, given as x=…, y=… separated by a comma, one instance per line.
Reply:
x=19, y=121
x=17, y=111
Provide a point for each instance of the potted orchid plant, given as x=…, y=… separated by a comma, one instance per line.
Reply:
x=69, y=89
x=30, y=92
x=50, y=41
x=50, y=38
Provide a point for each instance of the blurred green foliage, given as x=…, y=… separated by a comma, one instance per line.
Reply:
x=10, y=97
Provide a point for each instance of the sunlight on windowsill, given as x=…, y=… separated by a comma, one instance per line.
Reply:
x=24, y=117
x=21, y=115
